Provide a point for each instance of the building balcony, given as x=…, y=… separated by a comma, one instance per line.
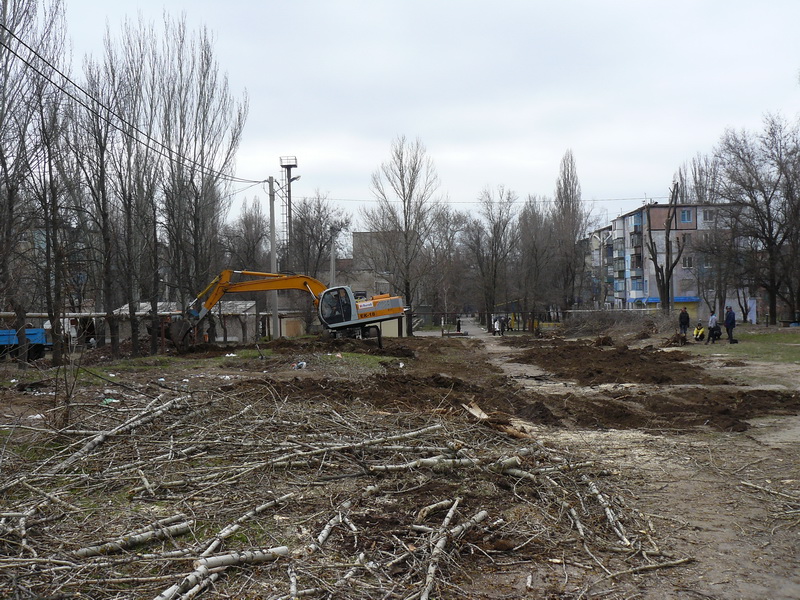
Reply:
x=637, y=272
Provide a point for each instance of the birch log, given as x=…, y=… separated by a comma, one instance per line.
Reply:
x=131, y=541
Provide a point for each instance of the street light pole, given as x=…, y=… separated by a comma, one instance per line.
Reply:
x=273, y=259
x=333, y=256
x=288, y=163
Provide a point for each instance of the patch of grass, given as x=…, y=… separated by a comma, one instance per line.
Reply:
x=143, y=363
x=757, y=343
x=245, y=353
x=363, y=361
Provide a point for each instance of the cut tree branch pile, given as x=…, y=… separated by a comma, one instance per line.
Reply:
x=274, y=491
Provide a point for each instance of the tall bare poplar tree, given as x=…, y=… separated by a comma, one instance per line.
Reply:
x=134, y=168
x=404, y=187
x=445, y=281
x=26, y=27
x=201, y=127
x=536, y=251
x=570, y=221
x=52, y=173
x=93, y=141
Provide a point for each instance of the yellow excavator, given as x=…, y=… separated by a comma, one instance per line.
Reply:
x=339, y=310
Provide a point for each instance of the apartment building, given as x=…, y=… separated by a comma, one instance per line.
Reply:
x=621, y=260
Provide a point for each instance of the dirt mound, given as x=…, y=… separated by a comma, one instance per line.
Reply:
x=718, y=409
x=390, y=391
x=590, y=365
x=327, y=344
x=654, y=410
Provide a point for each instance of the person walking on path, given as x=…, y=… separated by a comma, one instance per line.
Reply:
x=712, y=328
x=683, y=321
x=730, y=323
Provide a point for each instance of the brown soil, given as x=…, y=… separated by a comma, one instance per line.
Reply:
x=702, y=471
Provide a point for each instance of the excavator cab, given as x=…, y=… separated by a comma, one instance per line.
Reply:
x=337, y=307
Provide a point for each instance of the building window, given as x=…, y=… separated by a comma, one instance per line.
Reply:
x=637, y=285
x=709, y=214
x=688, y=263
x=686, y=215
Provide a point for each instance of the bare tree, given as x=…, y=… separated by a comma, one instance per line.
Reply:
x=92, y=140
x=490, y=239
x=536, y=253
x=134, y=168
x=446, y=283
x=201, y=128
x=757, y=180
x=664, y=262
x=717, y=255
x=316, y=224
x=404, y=188
x=24, y=31
x=246, y=239
x=51, y=174
x=570, y=220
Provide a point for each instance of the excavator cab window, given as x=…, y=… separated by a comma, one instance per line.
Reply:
x=336, y=306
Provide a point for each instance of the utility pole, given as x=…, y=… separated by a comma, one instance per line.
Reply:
x=273, y=257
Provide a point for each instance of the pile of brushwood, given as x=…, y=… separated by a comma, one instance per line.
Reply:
x=264, y=488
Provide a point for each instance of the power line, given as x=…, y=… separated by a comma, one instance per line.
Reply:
x=162, y=149
x=547, y=200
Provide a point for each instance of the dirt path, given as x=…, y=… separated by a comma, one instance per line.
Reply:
x=699, y=488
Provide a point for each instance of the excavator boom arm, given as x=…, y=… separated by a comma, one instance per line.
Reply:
x=258, y=282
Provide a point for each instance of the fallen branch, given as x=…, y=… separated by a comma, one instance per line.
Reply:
x=229, y=530
x=211, y=566
x=616, y=526
x=433, y=462
x=643, y=568
x=437, y=551
x=157, y=531
x=146, y=416
x=771, y=491
x=240, y=558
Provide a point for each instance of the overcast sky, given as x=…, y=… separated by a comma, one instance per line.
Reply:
x=497, y=91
